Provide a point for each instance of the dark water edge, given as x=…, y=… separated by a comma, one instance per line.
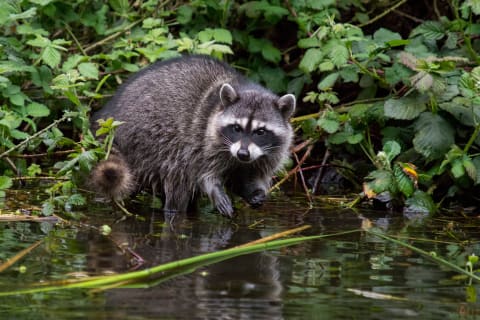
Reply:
x=354, y=276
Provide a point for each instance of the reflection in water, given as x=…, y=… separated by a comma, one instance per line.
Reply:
x=350, y=276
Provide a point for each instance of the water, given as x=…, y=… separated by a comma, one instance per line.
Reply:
x=352, y=276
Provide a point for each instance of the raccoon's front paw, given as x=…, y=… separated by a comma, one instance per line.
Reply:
x=224, y=205
x=256, y=198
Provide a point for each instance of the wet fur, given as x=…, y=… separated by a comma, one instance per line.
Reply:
x=171, y=142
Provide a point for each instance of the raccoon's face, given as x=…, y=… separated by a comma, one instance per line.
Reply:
x=248, y=139
x=254, y=124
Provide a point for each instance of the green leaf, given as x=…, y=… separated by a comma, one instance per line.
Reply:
x=222, y=35
x=434, y=135
x=469, y=167
x=382, y=36
x=37, y=110
x=457, y=169
x=463, y=111
x=19, y=135
x=5, y=182
x=354, y=139
x=420, y=202
x=328, y=82
x=405, y=184
x=339, y=55
x=308, y=43
x=184, y=14
x=51, y=56
x=431, y=30
x=391, y=149
x=310, y=60
x=476, y=163
x=380, y=181
x=76, y=200
x=405, y=108
x=48, y=208
x=272, y=54
x=88, y=70
x=329, y=125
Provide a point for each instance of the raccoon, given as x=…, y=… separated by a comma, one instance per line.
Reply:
x=194, y=125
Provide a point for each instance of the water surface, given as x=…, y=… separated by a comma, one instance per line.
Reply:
x=353, y=276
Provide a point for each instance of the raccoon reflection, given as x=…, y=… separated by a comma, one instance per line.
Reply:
x=193, y=125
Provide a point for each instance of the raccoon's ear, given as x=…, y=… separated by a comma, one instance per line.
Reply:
x=286, y=104
x=228, y=95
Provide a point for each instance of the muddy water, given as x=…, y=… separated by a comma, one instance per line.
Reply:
x=354, y=276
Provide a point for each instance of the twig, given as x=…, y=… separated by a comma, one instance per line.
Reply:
x=320, y=171
x=53, y=124
x=383, y=14
x=302, y=177
x=79, y=45
x=409, y=16
x=274, y=236
x=40, y=155
x=111, y=37
x=40, y=178
x=7, y=264
x=294, y=170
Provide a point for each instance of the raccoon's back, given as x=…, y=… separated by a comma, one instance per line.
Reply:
x=174, y=92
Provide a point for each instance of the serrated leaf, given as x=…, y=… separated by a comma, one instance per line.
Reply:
x=434, y=135
x=48, y=208
x=76, y=200
x=355, y=138
x=469, y=167
x=382, y=36
x=420, y=202
x=328, y=82
x=5, y=182
x=88, y=70
x=37, y=110
x=380, y=181
x=329, y=125
x=391, y=149
x=338, y=137
x=422, y=81
x=51, y=56
x=339, y=55
x=308, y=43
x=476, y=163
x=272, y=54
x=405, y=184
x=431, y=30
x=311, y=59
x=405, y=108
x=457, y=169
x=222, y=35
x=460, y=109
x=19, y=135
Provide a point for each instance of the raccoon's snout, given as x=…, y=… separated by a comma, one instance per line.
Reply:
x=248, y=153
x=243, y=155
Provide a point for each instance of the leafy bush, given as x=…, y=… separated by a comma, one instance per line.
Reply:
x=407, y=104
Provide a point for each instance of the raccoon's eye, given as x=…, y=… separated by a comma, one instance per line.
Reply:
x=237, y=128
x=260, y=132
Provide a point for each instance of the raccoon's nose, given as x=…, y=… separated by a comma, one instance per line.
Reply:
x=243, y=155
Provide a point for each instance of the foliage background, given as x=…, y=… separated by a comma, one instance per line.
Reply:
x=388, y=92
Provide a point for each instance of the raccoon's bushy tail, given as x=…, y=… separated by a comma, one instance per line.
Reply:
x=113, y=178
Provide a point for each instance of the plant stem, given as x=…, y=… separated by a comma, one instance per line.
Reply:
x=381, y=15
x=472, y=138
x=53, y=124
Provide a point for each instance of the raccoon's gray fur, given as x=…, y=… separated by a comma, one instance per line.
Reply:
x=194, y=125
